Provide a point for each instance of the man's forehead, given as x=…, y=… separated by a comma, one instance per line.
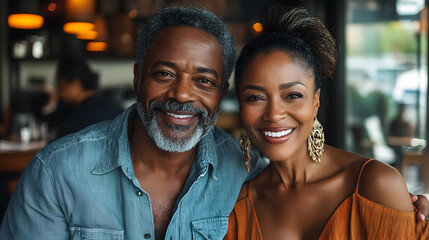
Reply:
x=185, y=31
x=174, y=43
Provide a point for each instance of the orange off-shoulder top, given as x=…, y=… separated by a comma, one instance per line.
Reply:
x=355, y=218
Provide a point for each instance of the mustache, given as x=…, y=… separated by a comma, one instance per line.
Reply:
x=176, y=106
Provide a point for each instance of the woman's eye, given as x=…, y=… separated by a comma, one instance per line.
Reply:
x=253, y=98
x=294, y=96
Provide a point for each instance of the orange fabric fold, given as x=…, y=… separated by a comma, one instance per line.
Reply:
x=360, y=218
x=355, y=218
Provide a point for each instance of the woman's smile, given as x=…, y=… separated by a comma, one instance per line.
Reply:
x=276, y=135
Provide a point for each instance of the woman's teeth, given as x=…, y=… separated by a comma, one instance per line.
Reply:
x=276, y=134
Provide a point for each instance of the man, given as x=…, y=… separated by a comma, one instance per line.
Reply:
x=158, y=171
x=75, y=104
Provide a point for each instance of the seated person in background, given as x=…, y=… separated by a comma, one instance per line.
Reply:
x=402, y=131
x=400, y=126
x=303, y=194
x=75, y=104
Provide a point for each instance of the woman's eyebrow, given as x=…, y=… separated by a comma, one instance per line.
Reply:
x=253, y=87
x=291, y=84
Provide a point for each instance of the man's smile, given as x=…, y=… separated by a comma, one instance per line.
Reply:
x=180, y=118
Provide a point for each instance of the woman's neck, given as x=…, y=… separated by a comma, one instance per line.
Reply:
x=294, y=172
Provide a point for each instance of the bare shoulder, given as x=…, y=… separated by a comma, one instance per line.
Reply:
x=343, y=160
x=383, y=184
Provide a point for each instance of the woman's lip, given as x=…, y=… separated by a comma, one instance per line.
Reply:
x=283, y=134
x=275, y=129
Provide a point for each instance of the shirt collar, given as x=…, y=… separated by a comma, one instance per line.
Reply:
x=207, y=155
x=117, y=153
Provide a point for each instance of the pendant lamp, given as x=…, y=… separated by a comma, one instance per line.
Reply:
x=25, y=15
x=79, y=16
x=100, y=42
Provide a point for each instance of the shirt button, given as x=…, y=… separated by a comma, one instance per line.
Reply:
x=139, y=193
x=147, y=236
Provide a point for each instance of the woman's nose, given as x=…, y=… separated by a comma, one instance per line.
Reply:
x=275, y=111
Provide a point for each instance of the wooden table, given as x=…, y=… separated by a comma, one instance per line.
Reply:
x=15, y=161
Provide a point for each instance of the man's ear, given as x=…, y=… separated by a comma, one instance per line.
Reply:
x=224, y=90
x=136, y=72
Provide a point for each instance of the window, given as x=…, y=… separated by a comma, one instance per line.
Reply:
x=386, y=78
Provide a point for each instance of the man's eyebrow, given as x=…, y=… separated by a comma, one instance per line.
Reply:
x=199, y=69
x=207, y=70
x=166, y=63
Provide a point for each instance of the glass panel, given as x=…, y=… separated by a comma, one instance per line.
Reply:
x=386, y=79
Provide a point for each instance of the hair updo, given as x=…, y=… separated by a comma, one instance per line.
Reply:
x=304, y=37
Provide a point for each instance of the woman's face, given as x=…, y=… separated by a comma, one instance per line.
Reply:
x=278, y=104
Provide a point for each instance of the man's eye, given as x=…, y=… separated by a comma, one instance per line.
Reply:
x=206, y=81
x=164, y=74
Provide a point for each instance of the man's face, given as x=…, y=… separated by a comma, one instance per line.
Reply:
x=181, y=87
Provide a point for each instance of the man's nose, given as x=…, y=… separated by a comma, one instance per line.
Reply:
x=182, y=90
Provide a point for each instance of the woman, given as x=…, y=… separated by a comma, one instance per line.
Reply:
x=309, y=190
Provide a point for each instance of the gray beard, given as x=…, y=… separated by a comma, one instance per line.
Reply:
x=175, y=143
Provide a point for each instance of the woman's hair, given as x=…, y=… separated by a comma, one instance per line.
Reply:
x=304, y=37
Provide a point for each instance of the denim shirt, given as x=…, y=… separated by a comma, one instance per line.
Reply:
x=83, y=187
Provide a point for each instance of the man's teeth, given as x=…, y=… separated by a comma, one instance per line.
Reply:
x=180, y=116
x=276, y=134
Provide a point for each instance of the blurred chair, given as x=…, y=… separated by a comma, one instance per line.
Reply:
x=381, y=150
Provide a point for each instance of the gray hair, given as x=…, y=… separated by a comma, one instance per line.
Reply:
x=189, y=16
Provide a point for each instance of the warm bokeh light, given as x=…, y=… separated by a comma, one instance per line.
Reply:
x=96, y=46
x=80, y=10
x=52, y=7
x=25, y=21
x=78, y=27
x=132, y=13
x=257, y=27
x=87, y=35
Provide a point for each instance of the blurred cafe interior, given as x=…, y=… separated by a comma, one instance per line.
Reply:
x=375, y=104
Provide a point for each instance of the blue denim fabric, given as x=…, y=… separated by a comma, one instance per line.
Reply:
x=83, y=187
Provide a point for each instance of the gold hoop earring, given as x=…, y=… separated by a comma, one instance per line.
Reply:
x=245, y=148
x=316, y=141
